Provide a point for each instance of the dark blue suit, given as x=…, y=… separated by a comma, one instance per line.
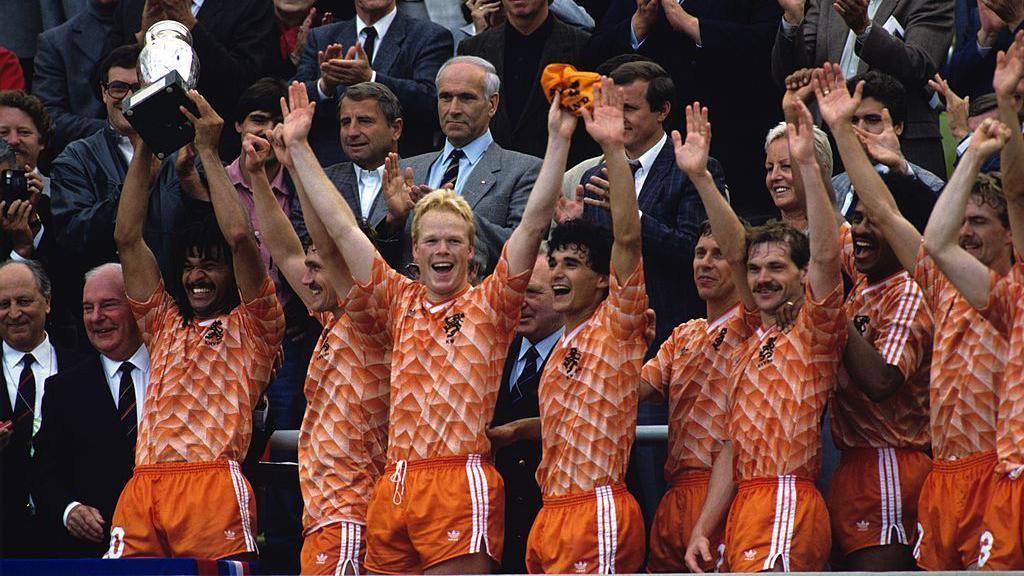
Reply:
x=407, y=61
x=968, y=71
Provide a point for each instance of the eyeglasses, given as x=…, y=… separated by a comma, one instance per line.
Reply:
x=118, y=90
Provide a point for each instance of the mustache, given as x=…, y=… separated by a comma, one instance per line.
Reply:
x=767, y=286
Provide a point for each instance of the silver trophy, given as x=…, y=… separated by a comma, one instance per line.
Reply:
x=168, y=69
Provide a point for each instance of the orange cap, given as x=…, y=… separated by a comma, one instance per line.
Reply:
x=576, y=88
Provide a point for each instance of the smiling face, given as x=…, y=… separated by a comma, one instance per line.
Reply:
x=711, y=272
x=209, y=283
x=872, y=255
x=324, y=297
x=366, y=136
x=115, y=115
x=462, y=106
x=23, y=308
x=20, y=132
x=578, y=289
x=442, y=251
x=983, y=234
x=773, y=277
x=778, y=177
x=109, y=322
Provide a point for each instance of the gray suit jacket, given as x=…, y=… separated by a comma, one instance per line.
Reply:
x=913, y=56
x=496, y=190
x=343, y=176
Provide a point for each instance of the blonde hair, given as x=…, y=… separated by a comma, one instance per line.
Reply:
x=444, y=200
x=822, y=147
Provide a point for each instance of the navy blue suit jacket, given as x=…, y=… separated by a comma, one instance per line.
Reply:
x=672, y=214
x=407, y=61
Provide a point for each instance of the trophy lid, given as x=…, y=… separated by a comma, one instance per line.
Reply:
x=168, y=27
x=168, y=47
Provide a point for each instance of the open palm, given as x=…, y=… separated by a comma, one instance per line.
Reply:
x=1009, y=68
x=297, y=113
x=834, y=100
x=605, y=124
x=692, y=155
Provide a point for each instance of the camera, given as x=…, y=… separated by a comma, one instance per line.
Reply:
x=13, y=186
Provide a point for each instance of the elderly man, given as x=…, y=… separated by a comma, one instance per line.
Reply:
x=28, y=359
x=85, y=450
x=494, y=181
x=378, y=45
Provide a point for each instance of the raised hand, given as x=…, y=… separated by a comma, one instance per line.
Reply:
x=854, y=13
x=798, y=87
x=15, y=224
x=398, y=188
x=1009, y=68
x=569, y=209
x=255, y=152
x=834, y=100
x=1011, y=12
x=561, y=122
x=605, y=123
x=990, y=25
x=297, y=114
x=692, y=156
x=989, y=138
x=207, y=125
x=956, y=107
x=303, y=35
x=792, y=11
x=276, y=139
x=884, y=147
x=645, y=17
x=801, y=136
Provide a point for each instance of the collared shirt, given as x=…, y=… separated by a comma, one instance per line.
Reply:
x=369, y=183
x=196, y=6
x=140, y=377
x=472, y=153
x=382, y=27
x=124, y=146
x=646, y=161
x=45, y=365
x=543, y=350
x=281, y=194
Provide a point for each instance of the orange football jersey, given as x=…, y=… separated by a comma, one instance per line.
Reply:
x=588, y=393
x=205, y=377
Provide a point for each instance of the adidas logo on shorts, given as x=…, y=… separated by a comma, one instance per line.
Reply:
x=321, y=558
x=580, y=567
x=230, y=534
x=453, y=535
x=750, y=554
x=862, y=526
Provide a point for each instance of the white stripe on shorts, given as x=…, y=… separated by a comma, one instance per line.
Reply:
x=242, y=496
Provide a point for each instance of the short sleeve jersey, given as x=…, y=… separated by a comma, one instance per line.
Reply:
x=1005, y=312
x=205, y=377
x=781, y=382
x=588, y=393
x=892, y=316
x=691, y=371
x=447, y=359
x=968, y=359
x=343, y=439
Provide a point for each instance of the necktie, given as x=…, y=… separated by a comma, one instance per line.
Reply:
x=451, y=173
x=634, y=165
x=25, y=402
x=369, y=42
x=529, y=371
x=126, y=403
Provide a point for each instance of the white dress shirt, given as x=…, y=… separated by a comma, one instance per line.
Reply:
x=196, y=5
x=543, y=350
x=45, y=365
x=369, y=183
x=646, y=161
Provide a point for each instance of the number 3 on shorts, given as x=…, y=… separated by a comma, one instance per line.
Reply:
x=985, y=547
x=116, y=543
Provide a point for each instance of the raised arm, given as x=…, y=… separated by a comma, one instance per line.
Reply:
x=1008, y=75
x=605, y=125
x=250, y=272
x=326, y=202
x=524, y=243
x=141, y=272
x=966, y=272
x=837, y=109
x=729, y=233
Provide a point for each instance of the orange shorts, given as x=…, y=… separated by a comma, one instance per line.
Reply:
x=772, y=519
x=1001, y=545
x=598, y=532
x=950, y=511
x=336, y=548
x=872, y=500
x=184, y=509
x=673, y=524
x=425, y=512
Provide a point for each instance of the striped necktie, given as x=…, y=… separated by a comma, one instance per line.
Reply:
x=126, y=403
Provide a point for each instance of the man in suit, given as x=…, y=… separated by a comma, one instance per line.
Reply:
x=85, y=450
x=520, y=48
x=230, y=38
x=28, y=359
x=65, y=60
x=494, y=181
x=515, y=431
x=907, y=39
x=378, y=45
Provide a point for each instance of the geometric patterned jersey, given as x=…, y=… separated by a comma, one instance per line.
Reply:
x=1005, y=312
x=205, y=377
x=692, y=366
x=968, y=361
x=447, y=358
x=892, y=317
x=344, y=434
x=588, y=393
x=780, y=383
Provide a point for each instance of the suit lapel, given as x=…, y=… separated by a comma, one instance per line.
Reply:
x=483, y=176
x=90, y=46
x=391, y=45
x=657, y=178
x=349, y=185
x=885, y=10
x=6, y=410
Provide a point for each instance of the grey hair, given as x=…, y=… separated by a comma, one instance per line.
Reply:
x=492, y=83
x=108, y=266
x=7, y=154
x=822, y=148
x=38, y=274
